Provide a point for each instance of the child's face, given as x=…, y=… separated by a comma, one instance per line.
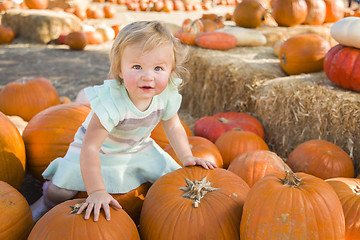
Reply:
x=146, y=74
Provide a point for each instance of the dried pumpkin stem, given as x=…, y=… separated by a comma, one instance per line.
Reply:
x=75, y=208
x=196, y=190
x=291, y=180
x=223, y=120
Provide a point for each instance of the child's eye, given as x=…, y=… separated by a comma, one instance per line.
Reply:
x=158, y=68
x=137, y=67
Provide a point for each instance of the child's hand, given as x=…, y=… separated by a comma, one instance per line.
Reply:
x=97, y=200
x=191, y=161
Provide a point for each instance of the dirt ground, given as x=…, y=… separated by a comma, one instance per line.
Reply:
x=70, y=71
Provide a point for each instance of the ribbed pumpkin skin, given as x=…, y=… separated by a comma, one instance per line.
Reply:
x=47, y=136
x=316, y=12
x=201, y=148
x=289, y=13
x=168, y=215
x=322, y=159
x=342, y=66
x=59, y=224
x=15, y=218
x=254, y=165
x=334, y=10
x=29, y=98
x=348, y=190
x=12, y=153
x=274, y=211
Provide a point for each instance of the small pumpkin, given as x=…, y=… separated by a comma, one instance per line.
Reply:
x=36, y=4
x=303, y=53
x=109, y=11
x=289, y=13
x=234, y=143
x=345, y=31
x=7, y=34
x=16, y=219
x=342, y=66
x=189, y=31
x=47, y=136
x=76, y=40
x=173, y=210
x=28, y=96
x=334, y=10
x=249, y=14
x=322, y=159
x=94, y=37
x=316, y=12
x=216, y=40
x=62, y=222
x=201, y=148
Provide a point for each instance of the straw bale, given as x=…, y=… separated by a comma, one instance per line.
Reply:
x=64, y=4
x=274, y=34
x=40, y=26
x=298, y=108
x=221, y=80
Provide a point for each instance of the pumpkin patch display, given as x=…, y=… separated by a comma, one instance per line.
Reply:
x=201, y=148
x=216, y=40
x=303, y=53
x=284, y=205
x=345, y=31
x=12, y=153
x=348, y=191
x=289, y=13
x=194, y=203
x=62, y=222
x=249, y=14
x=236, y=142
x=47, y=136
x=27, y=97
x=342, y=66
x=322, y=159
x=212, y=127
x=16, y=219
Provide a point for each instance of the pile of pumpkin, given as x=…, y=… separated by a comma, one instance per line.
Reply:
x=253, y=194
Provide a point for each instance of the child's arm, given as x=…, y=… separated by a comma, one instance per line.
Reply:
x=90, y=166
x=178, y=139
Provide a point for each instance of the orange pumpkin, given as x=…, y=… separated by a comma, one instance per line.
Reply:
x=6, y=4
x=173, y=209
x=76, y=40
x=189, y=31
x=16, y=219
x=36, y=4
x=216, y=40
x=233, y=143
x=322, y=159
x=12, y=153
x=27, y=97
x=48, y=135
x=59, y=223
x=131, y=201
x=249, y=14
x=109, y=11
x=6, y=34
x=348, y=191
x=303, y=53
x=335, y=10
x=94, y=37
x=159, y=135
x=254, y=165
x=201, y=148
x=284, y=205
x=316, y=12
x=289, y=13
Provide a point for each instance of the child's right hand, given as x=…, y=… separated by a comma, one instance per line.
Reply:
x=97, y=200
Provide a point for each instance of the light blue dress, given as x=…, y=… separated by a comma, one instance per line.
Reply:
x=129, y=157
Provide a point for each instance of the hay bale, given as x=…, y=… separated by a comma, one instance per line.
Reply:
x=64, y=4
x=40, y=26
x=221, y=80
x=275, y=34
x=298, y=108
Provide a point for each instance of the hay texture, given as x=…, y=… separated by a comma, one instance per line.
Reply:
x=221, y=80
x=40, y=26
x=298, y=108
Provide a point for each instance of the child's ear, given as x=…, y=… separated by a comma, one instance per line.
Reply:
x=120, y=75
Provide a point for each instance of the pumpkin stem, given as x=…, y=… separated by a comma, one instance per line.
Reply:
x=196, y=190
x=291, y=180
x=223, y=120
x=75, y=208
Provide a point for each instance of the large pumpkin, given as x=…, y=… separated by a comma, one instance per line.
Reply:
x=316, y=12
x=342, y=66
x=233, y=143
x=212, y=127
x=303, y=53
x=335, y=10
x=284, y=205
x=348, y=191
x=159, y=136
x=131, y=201
x=194, y=203
x=36, y=4
x=254, y=165
x=12, y=153
x=16, y=219
x=249, y=14
x=47, y=136
x=201, y=148
x=289, y=13
x=62, y=222
x=322, y=159
x=26, y=97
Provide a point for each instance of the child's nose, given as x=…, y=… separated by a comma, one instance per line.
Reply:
x=147, y=75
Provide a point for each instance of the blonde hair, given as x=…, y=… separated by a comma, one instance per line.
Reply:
x=151, y=34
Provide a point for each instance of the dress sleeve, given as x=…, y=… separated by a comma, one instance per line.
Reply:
x=172, y=100
x=105, y=102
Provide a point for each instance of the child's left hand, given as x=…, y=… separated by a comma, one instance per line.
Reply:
x=191, y=161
